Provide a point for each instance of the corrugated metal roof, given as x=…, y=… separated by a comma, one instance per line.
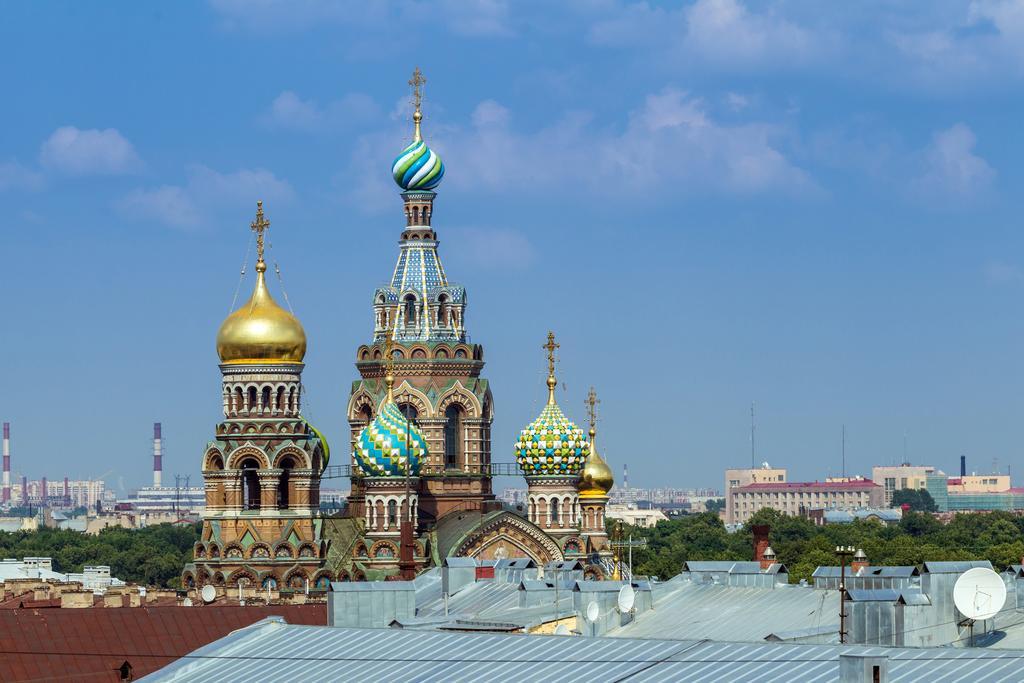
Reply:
x=955, y=567
x=876, y=595
x=274, y=651
x=692, y=610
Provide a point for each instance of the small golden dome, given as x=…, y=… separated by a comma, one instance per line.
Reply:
x=596, y=479
x=261, y=331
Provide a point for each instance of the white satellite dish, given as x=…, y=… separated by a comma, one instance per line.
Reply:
x=979, y=593
x=593, y=612
x=562, y=630
x=187, y=602
x=627, y=598
x=209, y=593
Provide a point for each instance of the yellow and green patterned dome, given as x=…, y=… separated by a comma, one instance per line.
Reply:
x=551, y=445
x=390, y=443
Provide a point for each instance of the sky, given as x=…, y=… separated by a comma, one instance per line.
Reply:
x=810, y=207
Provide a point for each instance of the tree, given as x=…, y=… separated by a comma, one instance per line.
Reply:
x=714, y=505
x=919, y=500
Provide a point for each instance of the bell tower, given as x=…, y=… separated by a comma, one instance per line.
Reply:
x=437, y=369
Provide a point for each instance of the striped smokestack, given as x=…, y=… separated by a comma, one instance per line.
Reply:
x=6, y=495
x=158, y=454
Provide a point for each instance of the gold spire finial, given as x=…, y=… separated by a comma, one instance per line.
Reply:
x=389, y=366
x=592, y=403
x=552, y=382
x=259, y=226
x=417, y=82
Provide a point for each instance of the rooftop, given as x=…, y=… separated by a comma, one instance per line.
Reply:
x=865, y=484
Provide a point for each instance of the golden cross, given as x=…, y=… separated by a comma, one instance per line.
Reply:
x=592, y=403
x=417, y=82
x=551, y=346
x=259, y=226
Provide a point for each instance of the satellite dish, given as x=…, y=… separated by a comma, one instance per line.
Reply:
x=187, y=602
x=593, y=612
x=627, y=598
x=208, y=593
x=979, y=593
x=562, y=630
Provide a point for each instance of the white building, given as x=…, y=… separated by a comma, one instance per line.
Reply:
x=631, y=514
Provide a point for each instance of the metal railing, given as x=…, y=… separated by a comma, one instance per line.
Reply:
x=493, y=469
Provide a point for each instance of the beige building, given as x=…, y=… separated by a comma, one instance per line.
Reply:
x=634, y=516
x=765, y=474
x=793, y=498
x=979, y=483
x=896, y=477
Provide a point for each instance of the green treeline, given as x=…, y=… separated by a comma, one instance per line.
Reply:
x=151, y=556
x=802, y=546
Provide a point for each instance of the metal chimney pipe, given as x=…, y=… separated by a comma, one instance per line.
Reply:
x=158, y=454
x=5, y=496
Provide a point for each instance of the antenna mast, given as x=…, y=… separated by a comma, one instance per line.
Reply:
x=753, y=457
x=844, y=451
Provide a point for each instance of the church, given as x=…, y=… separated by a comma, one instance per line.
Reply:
x=419, y=417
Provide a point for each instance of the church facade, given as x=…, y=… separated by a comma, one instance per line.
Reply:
x=419, y=419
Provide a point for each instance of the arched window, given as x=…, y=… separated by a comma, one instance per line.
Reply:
x=442, y=310
x=453, y=436
x=280, y=405
x=252, y=398
x=250, y=484
x=265, y=398
x=409, y=410
x=554, y=510
x=282, y=485
x=392, y=513
x=239, y=400
x=366, y=414
x=293, y=400
x=410, y=310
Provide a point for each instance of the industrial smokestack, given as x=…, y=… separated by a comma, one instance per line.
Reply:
x=5, y=496
x=44, y=495
x=158, y=455
x=67, y=492
x=963, y=465
x=625, y=476
x=24, y=491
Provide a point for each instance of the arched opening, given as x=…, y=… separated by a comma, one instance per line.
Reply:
x=293, y=400
x=252, y=399
x=283, y=498
x=250, y=484
x=410, y=310
x=453, y=436
x=392, y=513
x=239, y=400
x=265, y=399
x=366, y=414
x=409, y=410
x=280, y=405
x=216, y=463
x=553, y=507
x=442, y=310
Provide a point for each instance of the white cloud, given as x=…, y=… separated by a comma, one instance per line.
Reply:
x=951, y=167
x=671, y=143
x=999, y=273
x=89, y=152
x=290, y=111
x=14, y=176
x=206, y=193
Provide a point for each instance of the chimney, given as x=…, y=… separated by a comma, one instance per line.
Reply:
x=44, y=495
x=5, y=497
x=963, y=465
x=860, y=561
x=760, y=540
x=625, y=476
x=67, y=492
x=24, y=491
x=767, y=558
x=158, y=455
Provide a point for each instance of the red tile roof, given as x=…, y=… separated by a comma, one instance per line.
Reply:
x=91, y=643
x=865, y=485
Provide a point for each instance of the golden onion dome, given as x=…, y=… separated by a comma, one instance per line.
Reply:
x=596, y=479
x=261, y=331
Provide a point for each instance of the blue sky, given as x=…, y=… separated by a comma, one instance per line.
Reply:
x=814, y=207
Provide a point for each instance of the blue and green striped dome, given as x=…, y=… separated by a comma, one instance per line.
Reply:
x=383, y=447
x=418, y=167
x=551, y=445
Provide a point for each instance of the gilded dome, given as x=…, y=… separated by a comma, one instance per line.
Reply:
x=261, y=331
x=596, y=479
x=384, y=446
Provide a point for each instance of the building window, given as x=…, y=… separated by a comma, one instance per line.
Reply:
x=554, y=510
x=452, y=436
x=392, y=513
x=283, y=483
x=410, y=310
x=250, y=485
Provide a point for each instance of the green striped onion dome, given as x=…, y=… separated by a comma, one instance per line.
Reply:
x=384, y=448
x=551, y=445
x=418, y=167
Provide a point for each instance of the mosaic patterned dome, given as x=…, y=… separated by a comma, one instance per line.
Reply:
x=418, y=167
x=382, y=447
x=551, y=445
